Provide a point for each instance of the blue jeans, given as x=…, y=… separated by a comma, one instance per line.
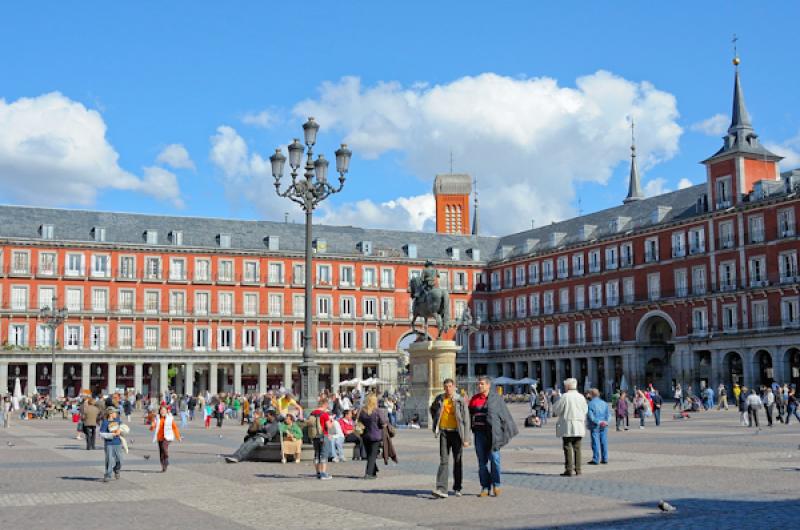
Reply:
x=113, y=459
x=657, y=416
x=483, y=449
x=184, y=416
x=599, y=444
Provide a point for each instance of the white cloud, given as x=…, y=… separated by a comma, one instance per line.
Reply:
x=789, y=150
x=716, y=125
x=159, y=182
x=684, y=183
x=656, y=186
x=520, y=135
x=405, y=213
x=175, y=156
x=259, y=119
x=58, y=149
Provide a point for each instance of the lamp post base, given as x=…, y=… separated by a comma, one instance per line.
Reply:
x=309, y=385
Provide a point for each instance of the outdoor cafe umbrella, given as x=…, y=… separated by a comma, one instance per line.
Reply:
x=504, y=381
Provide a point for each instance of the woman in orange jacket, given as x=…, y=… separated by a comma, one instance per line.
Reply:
x=165, y=430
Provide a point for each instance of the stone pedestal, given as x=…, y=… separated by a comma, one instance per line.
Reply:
x=431, y=363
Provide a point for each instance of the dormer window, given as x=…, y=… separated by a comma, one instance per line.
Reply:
x=46, y=231
x=411, y=250
x=365, y=247
x=151, y=237
x=99, y=234
x=176, y=237
x=224, y=240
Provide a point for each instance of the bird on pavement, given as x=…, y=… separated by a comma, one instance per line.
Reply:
x=664, y=506
x=10, y=444
x=147, y=457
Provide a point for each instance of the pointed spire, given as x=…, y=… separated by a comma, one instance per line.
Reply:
x=475, y=215
x=634, y=185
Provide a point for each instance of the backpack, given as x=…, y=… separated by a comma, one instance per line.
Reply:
x=220, y=407
x=313, y=426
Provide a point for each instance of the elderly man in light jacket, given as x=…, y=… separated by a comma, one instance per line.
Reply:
x=571, y=410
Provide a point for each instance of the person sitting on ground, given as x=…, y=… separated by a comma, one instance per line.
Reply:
x=292, y=438
x=261, y=431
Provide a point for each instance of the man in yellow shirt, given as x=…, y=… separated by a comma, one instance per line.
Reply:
x=450, y=422
x=286, y=402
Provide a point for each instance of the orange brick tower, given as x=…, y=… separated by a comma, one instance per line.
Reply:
x=452, y=203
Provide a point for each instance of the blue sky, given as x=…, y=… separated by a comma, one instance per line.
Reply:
x=405, y=83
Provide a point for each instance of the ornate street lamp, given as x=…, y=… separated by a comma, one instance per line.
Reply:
x=467, y=327
x=53, y=318
x=308, y=192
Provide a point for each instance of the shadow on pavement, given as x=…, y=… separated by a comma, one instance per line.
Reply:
x=419, y=494
x=83, y=479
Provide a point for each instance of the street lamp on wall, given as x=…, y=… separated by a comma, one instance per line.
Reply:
x=308, y=192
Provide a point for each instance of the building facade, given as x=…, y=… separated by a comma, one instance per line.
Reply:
x=694, y=286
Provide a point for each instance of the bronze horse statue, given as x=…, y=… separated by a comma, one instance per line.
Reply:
x=428, y=303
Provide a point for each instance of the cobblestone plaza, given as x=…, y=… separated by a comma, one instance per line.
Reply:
x=715, y=472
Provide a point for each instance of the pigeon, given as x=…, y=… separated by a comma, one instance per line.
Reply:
x=664, y=506
x=10, y=444
x=147, y=457
x=220, y=437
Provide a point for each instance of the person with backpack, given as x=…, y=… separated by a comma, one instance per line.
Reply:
x=317, y=426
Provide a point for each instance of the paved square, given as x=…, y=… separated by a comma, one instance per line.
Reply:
x=715, y=472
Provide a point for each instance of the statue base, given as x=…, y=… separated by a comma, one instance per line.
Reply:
x=432, y=361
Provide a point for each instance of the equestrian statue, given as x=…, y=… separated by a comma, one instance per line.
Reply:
x=428, y=300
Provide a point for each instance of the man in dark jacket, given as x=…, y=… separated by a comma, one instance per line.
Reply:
x=450, y=422
x=89, y=417
x=493, y=428
x=260, y=431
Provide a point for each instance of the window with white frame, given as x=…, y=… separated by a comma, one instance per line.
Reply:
x=563, y=299
x=72, y=337
x=508, y=278
x=20, y=262
x=533, y=272
x=626, y=255
x=46, y=231
x=790, y=311
x=787, y=266
x=536, y=337
x=125, y=337
x=387, y=308
x=577, y=264
x=699, y=280
x=681, y=282
x=509, y=339
x=580, y=332
x=177, y=302
x=521, y=307
x=275, y=273
x=323, y=339
x=202, y=270
x=481, y=310
x=562, y=266
x=727, y=275
x=509, y=307
x=224, y=270
x=444, y=279
x=368, y=277
x=758, y=271
x=175, y=237
x=387, y=278
x=275, y=339
x=18, y=335
x=151, y=341
x=201, y=303
x=520, y=273
x=250, y=304
x=678, y=244
x=786, y=226
x=176, y=338
x=612, y=292
x=495, y=281
x=756, y=226
x=127, y=268
x=723, y=192
x=594, y=260
x=368, y=308
x=323, y=274
x=497, y=340
x=370, y=340
x=298, y=305
x=275, y=304
x=346, y=276
x=613, y=329
x=298, y=274
x=697, y=240
x=729, y=317
x=346, y=304
x=612, y=258
x=152, y=301
x=177, y=269
x=297, y=339
x=99, y=300
x=151, y=237
x=726, y=234
x=225, y=241
x=595, y=295
x=225, y=339
x=47, y=264
x=533, y=300
x=547, y=270
x=460, y=280
x=651, y=249
x=74, y=265
x=548, y=332
x=201, y=336
x=152, y=268
x=699, y=321
x=251, y=272
x=653, y=286
x=497, y=309
x=628, y=290
x=46, y=296
x=225, y=303
x=346, y=339
x=323, y=306
x=597, y=331
x=250, y=339
x=44, y=337
x=563, y=334
x=74, y=299
x=580, y=297
x=19, y=298
x=548, y=302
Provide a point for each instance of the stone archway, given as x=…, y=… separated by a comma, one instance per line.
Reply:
x=762, y=362
x=733, y=369
x=654, y=335
x=792, y=366
x=655, y=328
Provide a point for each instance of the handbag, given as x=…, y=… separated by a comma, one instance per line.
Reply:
x=359, y=429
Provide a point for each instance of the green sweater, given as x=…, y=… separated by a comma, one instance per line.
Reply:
x=294, y=428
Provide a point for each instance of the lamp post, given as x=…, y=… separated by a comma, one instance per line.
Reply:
x=53, y=318
x=308, y=192
x=467, y=328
